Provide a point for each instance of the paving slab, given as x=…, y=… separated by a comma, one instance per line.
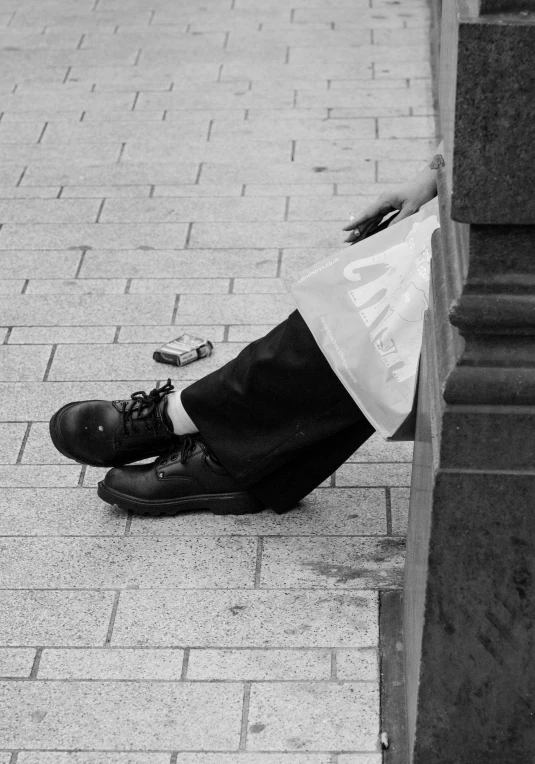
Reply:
x=259, y=665
x=195, y=263
x=16, y=662
x=102, y=757
x=245, y=618
x=332, y=563
x=109, y=664
x=317, y=715
x=54, y=618
x=121, y=563
x=111, y=715
x=57, y=512
x=11, y=438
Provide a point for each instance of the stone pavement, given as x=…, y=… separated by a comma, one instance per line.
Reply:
x=163, y=164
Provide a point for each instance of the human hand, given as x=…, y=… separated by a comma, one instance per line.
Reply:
x=406, y=199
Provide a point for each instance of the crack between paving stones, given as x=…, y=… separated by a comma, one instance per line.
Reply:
x=245, y=715
x=112, y=618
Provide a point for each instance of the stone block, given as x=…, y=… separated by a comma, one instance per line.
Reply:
x=115, y=715
x=396, y=108
x=233, y=308
x=65, y=100
x=36, y=264
x=402, y=37
x=23, y=363
x=238, y=235
x=259, y=665
x=120, y=563
x=246, y=619
x=10, y=174
x=96, y=236
x=54, y=618
x=257, y=189
x=11, y=437
x=203, y=263
x=104, y=192
x=260, y=116
x=406, y=127
x=39, y=448
x=11, y=286
x=200, y=190
x=360, y=758
x=258, y=286
x=201, y=99
x=374, y=102
x=374, y=474
x=298, y=129
x=235, y=152
x=415, y=69
x=156, y=286
x=399, y=171
x=85, y=757
x=248, y=333
x=124, y=174
x=323, y=152
x=161, y=334
x=352, y=84
x=86, y=309
x=324, y=512
x=52, y=335
x=76, y=286
x=320, y=716
x=375, y=449
x=253, y=758
x=58, y=512
x=111, y=664
x=290, y=172
x=23, y=133
x=337, y=208
x=130, y=361
x=30, y=192
x=359, y=665
x=37, y=401
x=16, y=663
x=83, y=153
x=400, y=510
x=205, y=209
x=332, y=563
x=41, y=476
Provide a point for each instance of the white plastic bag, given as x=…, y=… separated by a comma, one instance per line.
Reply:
x=365, y=307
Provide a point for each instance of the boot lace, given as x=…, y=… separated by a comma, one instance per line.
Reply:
x=142, y=407
x=185, y=449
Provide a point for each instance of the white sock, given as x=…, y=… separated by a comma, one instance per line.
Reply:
x=182, y=424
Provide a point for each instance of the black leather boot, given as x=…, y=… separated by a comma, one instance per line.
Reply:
x=187, y=478
x=113, y=433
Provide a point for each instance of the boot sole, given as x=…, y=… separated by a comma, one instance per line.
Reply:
x=219, y=503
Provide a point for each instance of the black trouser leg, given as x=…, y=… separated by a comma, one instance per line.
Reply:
x=277, y=416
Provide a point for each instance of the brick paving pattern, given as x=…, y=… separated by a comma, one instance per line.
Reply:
x=163, y=163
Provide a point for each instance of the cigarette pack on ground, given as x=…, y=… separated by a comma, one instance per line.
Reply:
x=184, y=349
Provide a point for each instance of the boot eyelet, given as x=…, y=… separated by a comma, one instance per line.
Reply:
x=174, y=457
x=164, y=462
x=160, y=474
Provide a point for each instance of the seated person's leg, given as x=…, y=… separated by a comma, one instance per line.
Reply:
x=262, y=416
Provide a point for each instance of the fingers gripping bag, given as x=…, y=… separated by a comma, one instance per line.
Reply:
x=365, y=307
